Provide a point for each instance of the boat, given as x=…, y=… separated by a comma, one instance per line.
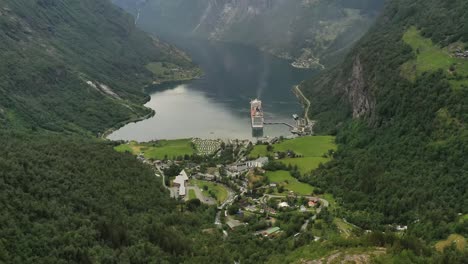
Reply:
x=256, y=114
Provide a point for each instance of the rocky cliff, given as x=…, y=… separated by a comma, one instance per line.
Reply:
x=358, y=91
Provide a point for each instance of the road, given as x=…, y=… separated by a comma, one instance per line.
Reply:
x=307, y=103
x=304, y=226
x=171, y=190
x=204, y=199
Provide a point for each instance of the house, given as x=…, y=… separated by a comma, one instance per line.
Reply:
x=238, y=168
x=207, y=177
x=313, y=202
x=303, y=208
x=273, y=185
x=181, y=182
x=269, y=211
x=271, y=231
x=401, y=228
x=258, y=163
x=283, y=205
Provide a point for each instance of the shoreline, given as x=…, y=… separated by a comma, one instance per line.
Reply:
x=119, y=125
x=304, y=101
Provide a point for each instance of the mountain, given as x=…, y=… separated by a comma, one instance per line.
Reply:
x=311, y=32
x=75, y=66
x=399, y=104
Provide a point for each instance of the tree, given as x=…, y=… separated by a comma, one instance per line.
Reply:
x=193, y=204
x=233, y=209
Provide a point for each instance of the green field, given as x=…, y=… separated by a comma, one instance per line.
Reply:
x=289, y=182
x=346, y=229
x=220, y=192
x=258, y=151
x=192, y=195
x=158, y=68
x=160, y=149
x=311, y=146
x=458, y=240
x=166, y=71
x=305, y=165
x=431, y=57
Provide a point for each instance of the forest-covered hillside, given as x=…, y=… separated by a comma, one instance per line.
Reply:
x=399, y=105
x=70, y=68
x=74, y=66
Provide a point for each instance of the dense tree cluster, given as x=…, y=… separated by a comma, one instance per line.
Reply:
x=51, y=49
x=405, y=162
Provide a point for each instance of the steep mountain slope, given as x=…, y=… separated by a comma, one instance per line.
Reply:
x=399, y=106
x=313, y=32
x=74, y=65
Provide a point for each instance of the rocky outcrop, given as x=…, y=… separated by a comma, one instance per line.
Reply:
x=358, y=91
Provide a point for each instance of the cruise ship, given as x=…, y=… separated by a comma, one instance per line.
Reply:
x=256, y=114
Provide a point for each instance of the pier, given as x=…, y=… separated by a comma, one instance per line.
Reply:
x=279, y=123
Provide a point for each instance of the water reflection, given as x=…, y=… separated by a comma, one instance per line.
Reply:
x=217, y=106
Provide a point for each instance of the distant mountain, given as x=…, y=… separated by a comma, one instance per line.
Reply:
x=75, y=66
x=311, y=32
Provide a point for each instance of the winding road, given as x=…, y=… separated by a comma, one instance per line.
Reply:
x=307, y=103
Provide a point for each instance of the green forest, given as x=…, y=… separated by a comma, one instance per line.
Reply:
x=52, y=49
x=404, y=161
x=68, y=197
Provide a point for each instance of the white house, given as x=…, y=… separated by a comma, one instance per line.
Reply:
x=181, y=182
x=258, y=163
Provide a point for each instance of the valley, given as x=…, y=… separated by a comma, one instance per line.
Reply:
x=216, y=105
x=310, y=34
x=125, y=146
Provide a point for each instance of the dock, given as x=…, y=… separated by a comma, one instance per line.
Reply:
x=279, y=123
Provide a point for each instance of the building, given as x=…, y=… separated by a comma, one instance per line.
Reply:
x=271, y=231
x=313, y=202
x=303, y=208
x=181, y=182
x=206, y=177
x=258, y=163
x=238, y=168
x=283, y=205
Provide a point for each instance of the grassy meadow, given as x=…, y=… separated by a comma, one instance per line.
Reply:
x=458, y=240
x=285, y=179
x=311, y=148
x=160, y=149
x=191, y=194
x=430, y=58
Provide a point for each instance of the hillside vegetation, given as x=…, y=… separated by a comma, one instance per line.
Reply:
x=74, y=66
x=398, y=105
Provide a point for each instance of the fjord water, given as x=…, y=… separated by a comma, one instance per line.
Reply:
x=217, y=105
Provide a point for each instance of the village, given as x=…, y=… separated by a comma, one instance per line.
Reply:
x=249, y=184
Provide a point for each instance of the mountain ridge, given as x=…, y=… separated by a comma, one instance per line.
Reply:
x=311, y=33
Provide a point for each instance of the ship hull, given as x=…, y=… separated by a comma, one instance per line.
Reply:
x=256, y=114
